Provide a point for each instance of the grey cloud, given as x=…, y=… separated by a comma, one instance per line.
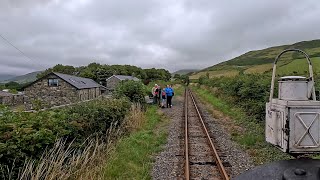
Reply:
x=148, y=33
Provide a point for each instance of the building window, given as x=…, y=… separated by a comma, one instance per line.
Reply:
x=53, y=82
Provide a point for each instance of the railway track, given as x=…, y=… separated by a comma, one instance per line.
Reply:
x=202, y=160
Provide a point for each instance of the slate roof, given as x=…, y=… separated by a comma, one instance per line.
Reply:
x=122, y=77
x=78, y=82
x=75, y=81
x=5, y=94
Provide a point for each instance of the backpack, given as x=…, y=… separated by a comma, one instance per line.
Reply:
x=163, y=93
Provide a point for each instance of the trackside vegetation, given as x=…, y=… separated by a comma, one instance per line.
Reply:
x=25, y=135
x=80, y=141
x=248, y=91
x=132, y=156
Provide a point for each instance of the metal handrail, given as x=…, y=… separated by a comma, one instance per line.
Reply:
x=275, y=67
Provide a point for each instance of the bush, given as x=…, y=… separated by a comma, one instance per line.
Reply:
x=134, y=90
x=248, y=91
x=26, y=135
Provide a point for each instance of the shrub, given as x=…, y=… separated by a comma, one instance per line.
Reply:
x=26, y=135
x=249, y=91
x=134, y=90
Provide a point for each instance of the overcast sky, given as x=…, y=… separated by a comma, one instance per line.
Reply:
x=171, y=34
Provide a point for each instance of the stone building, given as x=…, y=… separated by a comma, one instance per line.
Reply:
x=10, y=99
x=5, y=98
x=57, y=89
x=114, y=80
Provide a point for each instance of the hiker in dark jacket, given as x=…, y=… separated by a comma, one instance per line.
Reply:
x=159, y=96
x=169, y=93
x=163, y=98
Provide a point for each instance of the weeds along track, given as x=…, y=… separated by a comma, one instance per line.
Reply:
x=202, y=159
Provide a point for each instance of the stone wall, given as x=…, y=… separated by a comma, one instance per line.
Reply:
x=43, y=95
x=14, y=99
x=112, y=83
x=86, y=94
x=6, y=100
x=18, y=99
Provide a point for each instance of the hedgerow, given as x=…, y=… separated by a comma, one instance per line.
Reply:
x=27, y=135
x=248, y=91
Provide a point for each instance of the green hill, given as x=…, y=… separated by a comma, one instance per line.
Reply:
x=260, y=61
x=24, y=78
x=185, y=71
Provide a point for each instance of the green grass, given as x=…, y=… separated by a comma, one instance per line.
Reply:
x=300, y=66
x=133, y=155
x=216, y=73
x=258, y=69
x=178, y=90
x=252, y=137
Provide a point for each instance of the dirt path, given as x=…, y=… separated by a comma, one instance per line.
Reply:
x=170, y=162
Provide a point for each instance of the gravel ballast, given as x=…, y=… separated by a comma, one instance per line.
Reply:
x=170, y=162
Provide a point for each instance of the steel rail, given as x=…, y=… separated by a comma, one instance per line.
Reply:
x=187, y=168
x=219, y=164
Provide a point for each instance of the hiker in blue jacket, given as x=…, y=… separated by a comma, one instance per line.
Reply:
x=169, y=93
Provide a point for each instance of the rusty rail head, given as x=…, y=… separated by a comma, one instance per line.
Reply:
x=220, y=166
x=187, y=168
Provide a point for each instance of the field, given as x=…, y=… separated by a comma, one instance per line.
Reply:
x=258, y=69
x=218, y=73
x=299, y=66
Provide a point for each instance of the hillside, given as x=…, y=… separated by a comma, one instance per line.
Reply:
x=4, y=77
x=260, y=61
x=185, y=71
x=24, y=78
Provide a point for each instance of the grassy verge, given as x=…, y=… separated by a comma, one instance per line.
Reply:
x=250, y=135
x=178, y=89
x=132, y=156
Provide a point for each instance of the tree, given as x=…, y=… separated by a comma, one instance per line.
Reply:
x=12, y=85
x=203, y=79
x=185, y=79
x=65, y=69
x=176, y=76
x=157, y=74
x=100, y=72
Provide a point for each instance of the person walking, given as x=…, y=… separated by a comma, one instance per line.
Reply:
x=159, y=96
x=169, y=93
x=154, y=93
x=163, y=98
x=172, y=94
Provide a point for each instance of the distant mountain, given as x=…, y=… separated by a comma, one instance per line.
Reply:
x=5, y=77
x=23, y=78
x=185, y=71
